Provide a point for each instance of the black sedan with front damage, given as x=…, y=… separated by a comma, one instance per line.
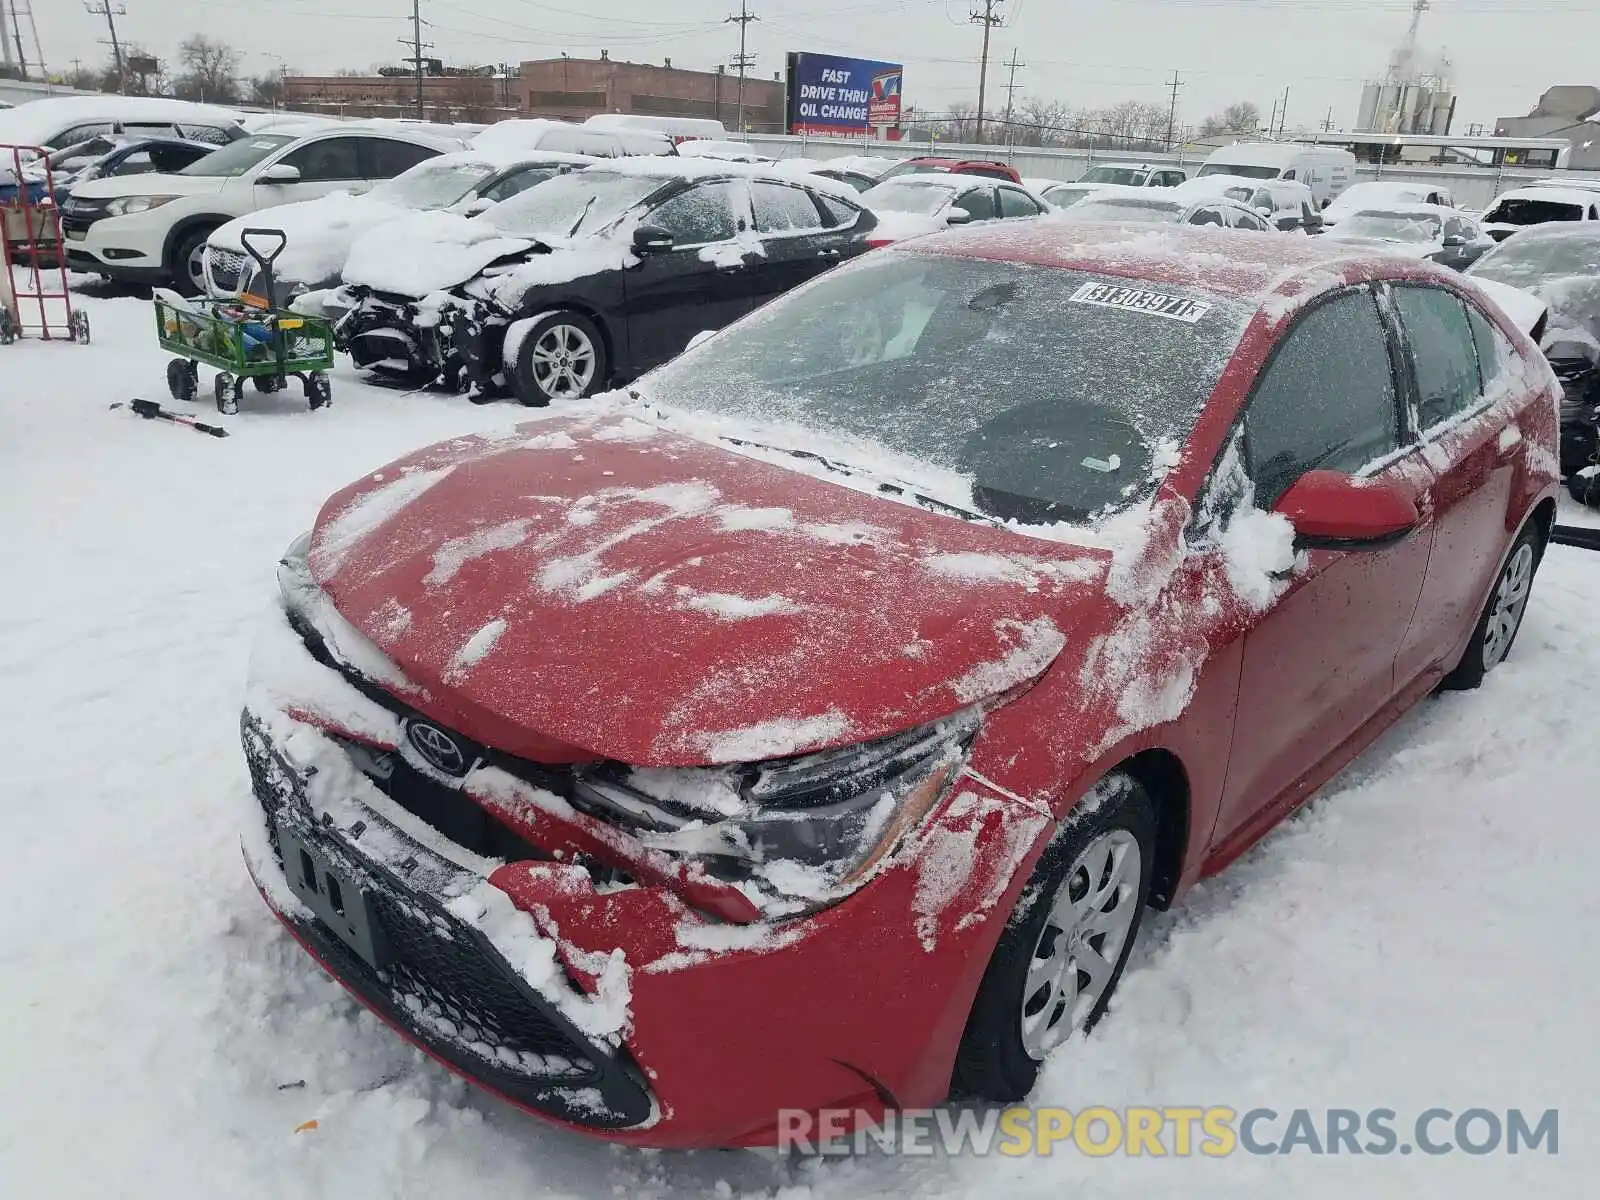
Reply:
x=1560, y=264
x=590, y=279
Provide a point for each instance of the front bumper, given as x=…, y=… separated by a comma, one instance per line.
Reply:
x=384, y=334
x=121, y=247
x=727, y=1019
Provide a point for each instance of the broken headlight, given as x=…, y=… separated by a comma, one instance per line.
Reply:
x=802, y=831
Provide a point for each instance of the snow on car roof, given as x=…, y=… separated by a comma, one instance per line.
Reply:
x=664, y=168
x=1579, y=197
x=1401, y=208
x=37, y=120
x=501, y=157
x=1221, y=261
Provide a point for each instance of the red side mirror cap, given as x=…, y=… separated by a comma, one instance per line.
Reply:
x=1337, y=511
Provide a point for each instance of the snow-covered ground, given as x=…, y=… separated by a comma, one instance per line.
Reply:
x=1419, y=937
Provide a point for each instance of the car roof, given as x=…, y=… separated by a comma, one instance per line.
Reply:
x=1555, y=195
x=1399, y=208
x=1225, y=262
x=667, y=169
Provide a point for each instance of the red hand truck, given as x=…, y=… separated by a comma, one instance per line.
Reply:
x=33, y=256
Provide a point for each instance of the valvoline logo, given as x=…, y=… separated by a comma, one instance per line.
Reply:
x=884, y=106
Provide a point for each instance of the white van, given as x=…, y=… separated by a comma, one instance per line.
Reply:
x=1326, y=170
x=679, y=129
x=60, y=121
x=537, y=133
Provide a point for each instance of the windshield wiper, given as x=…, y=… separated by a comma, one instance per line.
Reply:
x=587, y=205
x=885, y=484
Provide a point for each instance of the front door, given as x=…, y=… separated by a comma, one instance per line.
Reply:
x=1320, y=662
x=325, y=165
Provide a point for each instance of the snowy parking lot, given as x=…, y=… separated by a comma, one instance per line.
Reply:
x=1416, y=938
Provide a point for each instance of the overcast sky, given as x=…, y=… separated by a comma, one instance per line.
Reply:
x=1083, y=52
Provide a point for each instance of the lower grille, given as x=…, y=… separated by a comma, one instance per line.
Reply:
x=226, y=268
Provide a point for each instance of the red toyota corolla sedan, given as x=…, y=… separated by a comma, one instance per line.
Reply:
x=811, y=727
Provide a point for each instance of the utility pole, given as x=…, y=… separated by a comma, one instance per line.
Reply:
x=745, y=61
x=417, y=47
x=1011, y=88
x=989, y=18
x=103, y=9
x=5, y=42
x=1172, y=111
x=1283, y=113
x=1327, y=122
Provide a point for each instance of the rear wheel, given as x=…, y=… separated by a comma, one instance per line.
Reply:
x=1063, y=950
x=188, y=265
x=1502, y=613
x=562, y=357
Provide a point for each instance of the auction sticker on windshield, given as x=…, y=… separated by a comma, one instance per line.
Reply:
x=1174, y=308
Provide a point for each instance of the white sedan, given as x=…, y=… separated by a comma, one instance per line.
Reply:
x=909, y=206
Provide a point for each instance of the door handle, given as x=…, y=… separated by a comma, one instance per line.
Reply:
x=827, y=254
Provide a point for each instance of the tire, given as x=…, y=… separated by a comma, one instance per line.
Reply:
x=562, y=357
x=227, y=391
x=266, y=384
x=319, y=391
x=1501, y=619
x=183, y=382
x=188, y=258
x=1584, y=487
x=1015, y=1022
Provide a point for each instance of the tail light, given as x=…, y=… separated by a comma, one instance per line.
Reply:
x=879, y=243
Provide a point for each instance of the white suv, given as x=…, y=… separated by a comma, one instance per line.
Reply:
x=153, y=228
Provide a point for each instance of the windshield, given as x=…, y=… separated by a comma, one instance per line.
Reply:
x=1043, y=394
x=1518, y=211
x=1528, y=258
x=238, y=157
x=1391, y=227
x=908, y=197
x=914, y=168
x=432, y=184
x=1126, y=210
x=582, y=202
x=1246, y=170
x=1068, y=194
x=1132, y=176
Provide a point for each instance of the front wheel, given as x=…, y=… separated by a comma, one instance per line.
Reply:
x=227, y=391
x=1502, y=613
x=1066, y=944
x=188, y=266
x=561, y=356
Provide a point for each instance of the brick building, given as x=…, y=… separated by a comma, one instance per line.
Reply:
x=450, y=97
x=574, y=89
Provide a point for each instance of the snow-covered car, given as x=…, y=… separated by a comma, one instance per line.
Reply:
x=1287, y=205
x=115, y=157
x=1442, y=235
x=538, y=133
x=1165, y=206
x=910, y=206
x=814, y=731
x=56, y=122
x=591, y=278
x=153, y=228
x=1063, y=195
x=932, y=164
x=726, y=151
x=1560, y=265
x=1135, y=174
x=319, y=233
x=1378, y=193
x=1522, y=207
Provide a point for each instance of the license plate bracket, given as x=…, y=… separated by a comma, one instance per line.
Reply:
x=338, y=900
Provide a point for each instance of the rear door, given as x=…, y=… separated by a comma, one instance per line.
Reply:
x=384, y=158
x=1321, y=662
x=1016, y=203
x=793, y=232
x=1451, y=349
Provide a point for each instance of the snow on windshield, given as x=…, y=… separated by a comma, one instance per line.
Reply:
x=1126, y=210
x=432, y=184
x=1051, y=392
x=584, y=201
x=1390, y=226
x=1531, y=258
x=924, y=198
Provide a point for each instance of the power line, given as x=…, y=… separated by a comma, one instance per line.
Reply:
x=103, y=9
x=745, y=61
x=989, y=19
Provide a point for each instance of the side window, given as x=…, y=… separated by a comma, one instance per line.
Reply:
x=700, y=215
x=839, y=213
x=1017, y=204
x=203, y=133
x=336, y=158
x=80, y=133
x=389, y=158
x=1442, y=353
x=1262, y=200
x=781, y=209
x=148, y=130
x=1289, y=174
x=1326, y=399
x=979, y=202
x=1206, y=216
x=518, y=181
x=1454, y=228
x=137, y=163
x=1494, y=351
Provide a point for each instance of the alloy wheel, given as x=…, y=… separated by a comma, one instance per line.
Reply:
x=196, y=267
x=563, y=362
x=1510, y=599
x=1082, y=941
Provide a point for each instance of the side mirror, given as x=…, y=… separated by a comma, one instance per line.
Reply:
x=700, y=338
x=651, y=239
x=279, y=173
x=1454, y=242
x=481, y=205
x=958, y=216
x=1333, y=511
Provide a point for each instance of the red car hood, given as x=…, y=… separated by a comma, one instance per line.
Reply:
x=582, y=589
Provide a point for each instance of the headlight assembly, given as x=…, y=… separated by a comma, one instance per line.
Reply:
x=802, y=832
x=127, y=205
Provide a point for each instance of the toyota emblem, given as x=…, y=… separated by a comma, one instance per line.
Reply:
x=439, y=748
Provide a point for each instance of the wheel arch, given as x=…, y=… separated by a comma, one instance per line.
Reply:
x=1544, y=517
x=182, y=229
x=1162, y=775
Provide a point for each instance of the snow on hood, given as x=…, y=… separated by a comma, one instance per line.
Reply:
x=320, y=233
x=1390, y=246
x=426, y=252
x=598, y=586
x=150, y=185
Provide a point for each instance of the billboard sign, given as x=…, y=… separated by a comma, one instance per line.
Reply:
x=843, y=97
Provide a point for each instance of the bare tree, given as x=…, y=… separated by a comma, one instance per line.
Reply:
x=209, y=70
x=1243, y=117
x=267, y=89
